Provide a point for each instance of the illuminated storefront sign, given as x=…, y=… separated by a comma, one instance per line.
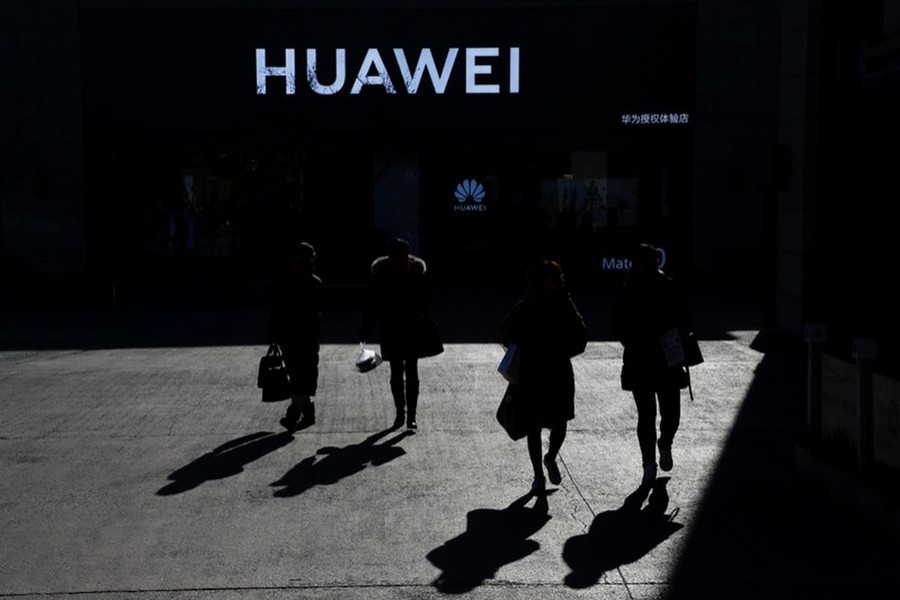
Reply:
x=470, y=196
x=483, y=72
x=479, y=72
x=616, y=264
x=655, y=119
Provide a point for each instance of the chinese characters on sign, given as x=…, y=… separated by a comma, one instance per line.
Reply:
x=655, y=119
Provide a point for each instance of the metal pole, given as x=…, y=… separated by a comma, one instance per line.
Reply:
x=865, y=350
x=815, y=336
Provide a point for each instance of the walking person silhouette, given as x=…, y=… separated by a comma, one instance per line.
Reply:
x=548, y=330
x=649, y=304
x=295, y=325
x=399, y=300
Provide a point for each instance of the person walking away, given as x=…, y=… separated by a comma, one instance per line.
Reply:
x=650, y=303
x=399, y=300
x=295, y=325
x=549, y=331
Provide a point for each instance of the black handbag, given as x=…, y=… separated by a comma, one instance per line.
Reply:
x=272, y=377
x=692, y=354
x=510, y=414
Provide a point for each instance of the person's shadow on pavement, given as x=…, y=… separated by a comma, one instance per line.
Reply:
x=622, y=536
x=338, y=463
x=493, y=538
x=226, y=460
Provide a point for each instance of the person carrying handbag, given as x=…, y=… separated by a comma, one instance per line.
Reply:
x=650, y=304
x=548, y=330
x=295, y=326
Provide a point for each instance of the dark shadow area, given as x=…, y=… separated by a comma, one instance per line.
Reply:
x=622, y=536
x=760, y=532
x=493, y=538
x=329, y=465
x=468, y=312
x=226, y=460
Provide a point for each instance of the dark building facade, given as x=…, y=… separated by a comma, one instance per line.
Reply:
x=193, y=141
x=481, y=134
x=196, y=140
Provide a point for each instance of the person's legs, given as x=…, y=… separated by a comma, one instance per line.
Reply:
x=645, y=401
x=669, y=419
x=291, y=416
x=535, y=444
x=411, y=370
x=397, y=391
x=557, y=437
x=301, y=406
x=295, y=410
x=307, y=411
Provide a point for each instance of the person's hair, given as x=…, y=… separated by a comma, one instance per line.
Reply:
x=397, y=247
x=304, y=250
x=646, y=254
x=544, y=270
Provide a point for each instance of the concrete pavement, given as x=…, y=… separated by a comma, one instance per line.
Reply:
x=145, y=467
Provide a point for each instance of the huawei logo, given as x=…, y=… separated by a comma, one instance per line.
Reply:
x=469, y=196
x=469, y=189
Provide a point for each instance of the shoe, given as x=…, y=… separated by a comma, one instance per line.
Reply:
x=649, y=473
x=538, y=485
x=308, y=416
x=411, y=424
x=289, y=420
x=552, y=470
x=665, y=458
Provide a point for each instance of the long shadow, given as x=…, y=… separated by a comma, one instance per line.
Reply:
x=226, y=460
x=759, y=531
x=622, y=536
x=337, y=463
x=493, y=538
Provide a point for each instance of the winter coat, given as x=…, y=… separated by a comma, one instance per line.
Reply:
x=647, y=307
x=296, y=325
x=399, y=301
x=548, y=330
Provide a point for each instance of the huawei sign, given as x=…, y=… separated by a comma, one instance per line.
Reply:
x=485, y=70
x=469, y=197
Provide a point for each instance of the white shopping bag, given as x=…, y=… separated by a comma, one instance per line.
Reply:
x=672, y=348
x=511, y=364
x=366, y=360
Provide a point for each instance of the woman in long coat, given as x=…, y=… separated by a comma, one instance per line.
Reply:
x=548, y=330
x=399, y=300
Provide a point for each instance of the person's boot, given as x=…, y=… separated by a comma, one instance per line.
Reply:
x=308, y=415
x=291, y=417
x=412, y=401
x=399, y=403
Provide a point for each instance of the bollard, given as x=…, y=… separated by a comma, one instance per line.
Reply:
x=864, y=351
x=815, y=337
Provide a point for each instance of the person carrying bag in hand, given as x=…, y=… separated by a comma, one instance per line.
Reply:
x=295, y=326
x=649, y=305
x=399, y=300
x=548, y=331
